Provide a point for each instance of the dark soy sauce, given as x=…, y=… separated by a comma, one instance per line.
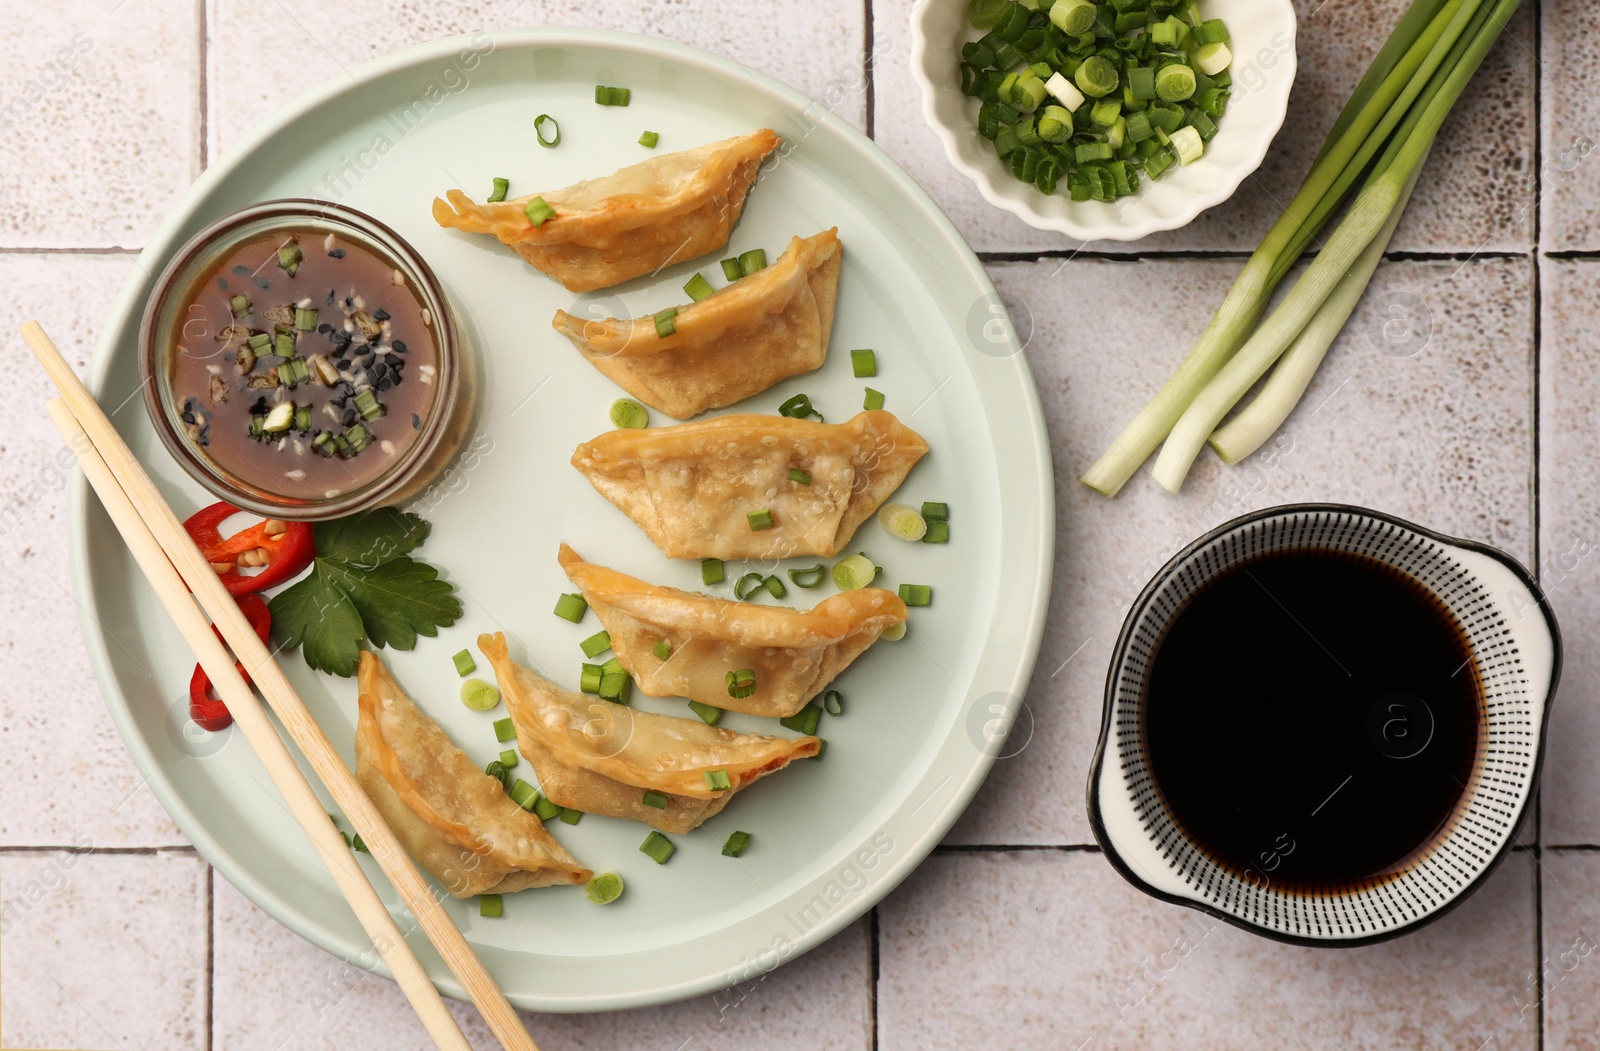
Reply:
x=1312, y=719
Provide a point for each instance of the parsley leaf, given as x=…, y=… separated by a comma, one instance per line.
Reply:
x=364, y=586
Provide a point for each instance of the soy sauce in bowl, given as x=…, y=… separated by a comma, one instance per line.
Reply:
x=1313, y=719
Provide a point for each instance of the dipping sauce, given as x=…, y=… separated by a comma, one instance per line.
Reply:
x=305, y=364
x=1313, y=719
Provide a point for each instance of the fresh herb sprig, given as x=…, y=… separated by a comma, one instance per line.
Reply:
x=364, y=587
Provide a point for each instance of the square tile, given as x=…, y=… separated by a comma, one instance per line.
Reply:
x=1476, y=195
x=99, y=121
x=1570, y=968
x=1569, y=542
x=274, y=989
x=1441, y=436
x=53, y=723
x=816, y=47
x=1054, y=950
x=1569, y=41
x=105, y=950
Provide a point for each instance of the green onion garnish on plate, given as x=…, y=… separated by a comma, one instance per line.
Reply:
x=735, y=844
x=717, y=780
x=808, y=578
x=655, y=799
x=659, y=847
x=711, y=571
x=864, y=363
x=537, y=210
x=916, y=594
x=604, y=889
x=596, y=644
x=539, y=123
x=571, y=607
x=491, y=905
x=873, y=399
x=479, y=695
x=804, y=721
x=649, y=139
x=505, y=730
x=698, y=288
x=706, y=712
x=629, y=415
x=465, y=665
x=741, y=683
x=499, y=191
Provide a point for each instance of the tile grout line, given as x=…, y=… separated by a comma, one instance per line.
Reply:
x=185, y=849
x=1183, y=254
x=872, y=978
x=1536, y=493
x=211, y=957
x=867, y=62
x=205, y=88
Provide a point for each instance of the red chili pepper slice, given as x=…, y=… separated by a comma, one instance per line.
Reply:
x=206, y=710
x=288, y=552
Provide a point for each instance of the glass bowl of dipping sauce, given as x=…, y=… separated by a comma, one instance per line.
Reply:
x=300, y=361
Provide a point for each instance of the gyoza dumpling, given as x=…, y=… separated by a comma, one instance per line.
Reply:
x=794, y=653
x=734, y=343
x=456, y=820
x=694, y=488
x=601, y=758
x=635, y=221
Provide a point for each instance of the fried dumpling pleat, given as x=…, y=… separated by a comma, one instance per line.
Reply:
x=692, y=487
x=601, y=758
x=456, y=820
x=794, y=653
x=737, y=342
x=635, y=221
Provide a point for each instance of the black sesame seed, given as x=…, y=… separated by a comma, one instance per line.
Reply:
x=324, y=328
x=329, y=300
x=241, y=271
x=188, y=417
x=384, y=384
x=336, y=253
x=261, y=282
x=349, y=417
x=380, y=314
x=399, y=346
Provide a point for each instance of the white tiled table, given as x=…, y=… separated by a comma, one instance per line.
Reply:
x=1016, y=933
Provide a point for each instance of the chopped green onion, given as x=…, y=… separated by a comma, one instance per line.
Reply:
x=544, y=810
x=524, y=794
x=537, y=210
x=596, y=644
x=605, y=96
x=706, y=712
x=666, y=322
x=289, y=257
x=649, y=139
x=873, y=400
x=804, y=721
x=748, y=585
x=894, y=632
x=1073, y=17
x=1213, y=58
x=305, y=318
x=983, y=15
x=731, y=269
x=508, y=758
x=1097, y=77
x=822, y=748
x=505, y=730
x=589, y=679
x=368, y=405
x=604, y=888
x=279, y=418
x=935, y=512
x=741, y=683
x=856, y=571
x=938, y=533
x=240, y=306
x=799, y=477
x=616, y=686
x=902, y=521
x=479, y=695
x=833, y=702
x=629, y=415
x=571, y=607
x=808, y=578
x=698, y=288
x=662, y=649
x=717, y=780
x=916, y=594
x=491, y=905
x=775, y=587
x=752, y=261
x=1211, y=31
x=499, y=191
x=863, y=363
x=357, y=845
x=538, y=130
x=711, y=571
x=799, y=407
x=659, y=847
x=760, y=520
x=1175, y=83
x=571, y=816
x=735, y=844
x=498, y=770
x=1186, y=141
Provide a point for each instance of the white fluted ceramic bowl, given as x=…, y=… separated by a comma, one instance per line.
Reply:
x=1263, y=70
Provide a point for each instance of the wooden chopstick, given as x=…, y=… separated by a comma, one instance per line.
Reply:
x=286, y=703
x=263, y=739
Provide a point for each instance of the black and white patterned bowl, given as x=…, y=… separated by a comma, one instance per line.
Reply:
x=1516, y=646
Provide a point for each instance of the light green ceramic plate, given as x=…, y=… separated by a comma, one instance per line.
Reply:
x=923, y=714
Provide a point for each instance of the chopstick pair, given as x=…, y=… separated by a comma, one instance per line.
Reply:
x=175, y=568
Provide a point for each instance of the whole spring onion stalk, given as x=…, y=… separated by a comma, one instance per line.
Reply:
x=1394, y=170
x=1259, y=420
x=1422, y=44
